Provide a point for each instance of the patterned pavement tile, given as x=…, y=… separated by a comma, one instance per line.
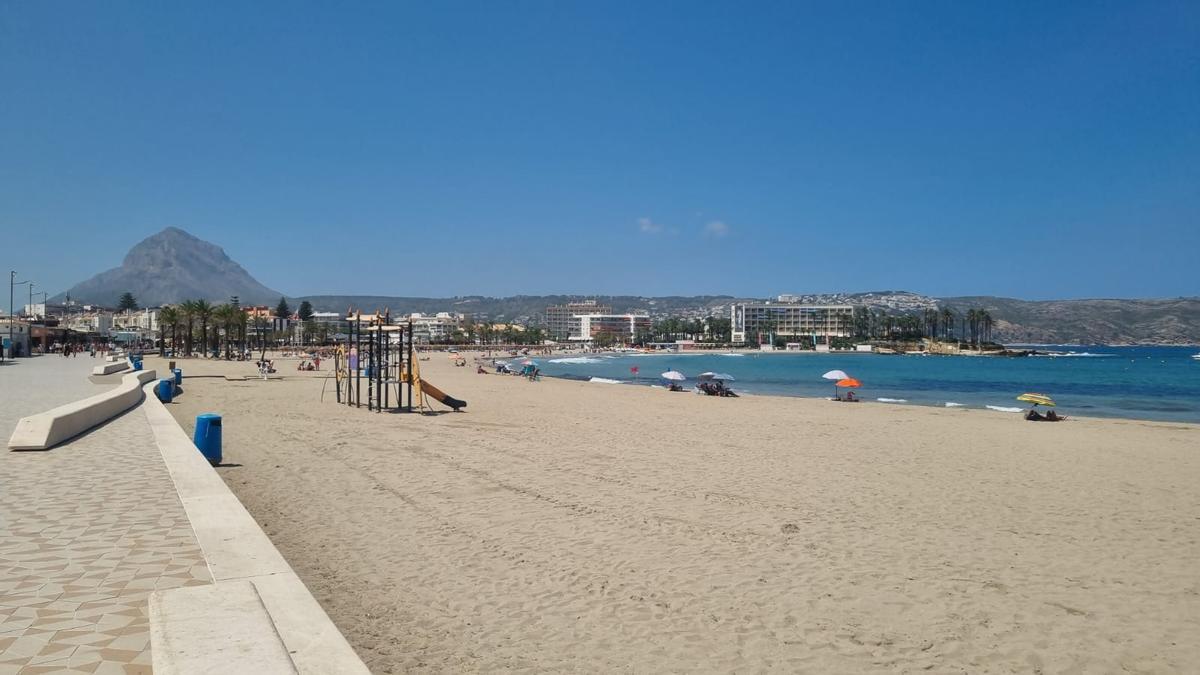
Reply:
x=87, y=531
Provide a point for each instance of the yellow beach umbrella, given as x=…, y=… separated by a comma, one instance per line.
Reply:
x=1036, y=399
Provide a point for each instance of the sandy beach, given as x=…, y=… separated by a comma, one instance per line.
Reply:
x=570, y=526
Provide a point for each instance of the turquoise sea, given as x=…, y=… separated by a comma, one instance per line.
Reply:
x=1154, y=383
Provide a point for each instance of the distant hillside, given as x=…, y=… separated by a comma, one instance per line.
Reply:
x=1050, y=322
x=1175, y=321
x=172, y=266
x=514, y=308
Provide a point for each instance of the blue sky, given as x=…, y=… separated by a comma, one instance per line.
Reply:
x=1035, y=150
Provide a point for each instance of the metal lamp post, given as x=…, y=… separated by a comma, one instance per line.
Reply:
x=12, y=276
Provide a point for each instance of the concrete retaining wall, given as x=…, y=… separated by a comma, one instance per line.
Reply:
x=237, y=551
x=222, y=628
x=48, y=429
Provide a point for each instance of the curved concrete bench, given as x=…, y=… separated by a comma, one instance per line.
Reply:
x=109, y=368
x=46, y=430
x=237, y=551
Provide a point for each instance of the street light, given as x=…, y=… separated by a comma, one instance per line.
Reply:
x=12, y=276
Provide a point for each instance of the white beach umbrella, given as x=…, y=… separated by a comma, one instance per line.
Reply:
x=835, y=375
x=674, y=375
x=715, y=376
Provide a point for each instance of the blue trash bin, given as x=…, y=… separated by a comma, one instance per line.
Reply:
x=178, y=375
x=208, y=437
x=137, y=364
x=165, y=390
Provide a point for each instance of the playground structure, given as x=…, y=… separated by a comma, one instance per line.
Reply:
x=382, y=353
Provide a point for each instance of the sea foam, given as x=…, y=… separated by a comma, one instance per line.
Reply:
x=577, y=359
x=604, y=380
x=1001, y=408
x=892, y=400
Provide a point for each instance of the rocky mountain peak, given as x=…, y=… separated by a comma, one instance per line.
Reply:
x=171, y=266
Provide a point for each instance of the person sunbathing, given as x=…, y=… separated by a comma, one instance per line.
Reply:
x=1052, y=416
x=1034, y=416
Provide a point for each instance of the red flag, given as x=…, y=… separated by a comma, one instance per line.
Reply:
x=634, y=370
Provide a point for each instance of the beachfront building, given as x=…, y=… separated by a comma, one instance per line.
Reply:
x=330, y=323
x=561, y=320
x=621, y=327
x=438, y=328
x=96, y=323
x=19, y=331
x=261, y=322
x=141, y=321
x=767, y=320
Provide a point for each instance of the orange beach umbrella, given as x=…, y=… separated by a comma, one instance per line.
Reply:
x=848, y=382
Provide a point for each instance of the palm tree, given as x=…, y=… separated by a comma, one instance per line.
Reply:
x=986, y=319
x=169, y=316
x=948, y=321
x=204, y=312
x=242, y=320
x=187, y=312
x=223, y=319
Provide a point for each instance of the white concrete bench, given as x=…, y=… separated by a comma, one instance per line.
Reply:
x=220, y=628
x=46, y=430
x=109, y=368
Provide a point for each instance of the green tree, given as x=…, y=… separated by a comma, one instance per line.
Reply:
x=947, y=322
x=168, y=317
x=306, y=311
x=127, y=303
x=282, y=310
x=187, y=313
x=862, y=321
x=203, y=310
x=225, y=323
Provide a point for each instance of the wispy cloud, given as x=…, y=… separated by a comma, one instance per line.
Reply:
x=716, y=228
x=648, y=226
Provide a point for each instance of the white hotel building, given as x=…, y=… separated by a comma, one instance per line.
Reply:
x=790, y=320
x=625, y=327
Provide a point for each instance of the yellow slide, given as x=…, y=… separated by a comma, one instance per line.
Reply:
x=423, y=388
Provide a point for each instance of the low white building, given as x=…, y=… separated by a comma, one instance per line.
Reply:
x=99, y=323
x=19, y=345
x=439, y=327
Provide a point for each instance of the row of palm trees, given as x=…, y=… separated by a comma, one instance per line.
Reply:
x=974, y=325
x=485, y=333
x=216, y=324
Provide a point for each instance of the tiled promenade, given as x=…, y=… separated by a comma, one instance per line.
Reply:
x=87, y=531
